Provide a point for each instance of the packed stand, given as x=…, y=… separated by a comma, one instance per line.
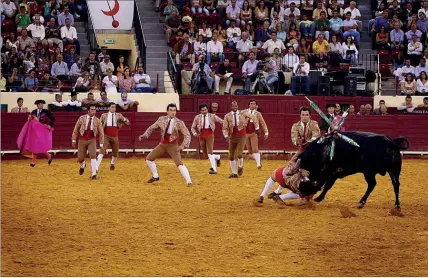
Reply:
x=233, y=37
x=399, y=33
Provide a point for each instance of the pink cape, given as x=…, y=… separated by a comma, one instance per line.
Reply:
x=34, y=138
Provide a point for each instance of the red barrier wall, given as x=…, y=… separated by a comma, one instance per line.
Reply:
x=268, y=104
x=415, y=127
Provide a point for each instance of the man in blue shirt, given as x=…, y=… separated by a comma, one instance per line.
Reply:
x=336, y=24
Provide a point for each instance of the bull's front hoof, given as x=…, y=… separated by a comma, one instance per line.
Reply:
x=396, y=212
x=361, y=205
x=318, y=199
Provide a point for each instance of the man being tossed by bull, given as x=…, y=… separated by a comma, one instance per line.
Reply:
x=292, y=177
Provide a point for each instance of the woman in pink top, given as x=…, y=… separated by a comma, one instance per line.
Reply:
x=126, y=82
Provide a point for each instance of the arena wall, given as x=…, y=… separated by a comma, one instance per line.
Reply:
x=148, y=102
x=414, y=127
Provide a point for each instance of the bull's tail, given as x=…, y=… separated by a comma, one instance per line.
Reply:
x=402, y=143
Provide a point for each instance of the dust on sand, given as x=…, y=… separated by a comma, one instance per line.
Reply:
x=57, y=223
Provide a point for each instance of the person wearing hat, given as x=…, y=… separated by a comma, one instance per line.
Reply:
x=46, y=118
x=88, y=127
x=74, y=104
x=111, y=122
x=330, y=115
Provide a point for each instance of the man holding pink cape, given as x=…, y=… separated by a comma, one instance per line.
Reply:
x=36, y=135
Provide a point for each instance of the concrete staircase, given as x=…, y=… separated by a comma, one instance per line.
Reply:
x=156, y=53
x=83, y=39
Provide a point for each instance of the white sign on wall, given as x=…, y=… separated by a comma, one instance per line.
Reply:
x=111, y=14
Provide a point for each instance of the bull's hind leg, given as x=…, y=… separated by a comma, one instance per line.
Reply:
x=328, y=184
x=371, y=183
x=395, y=178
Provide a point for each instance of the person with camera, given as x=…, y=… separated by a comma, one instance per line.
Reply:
x=301, y=75
x=200, y=72
x=223, y=72
x=249, y=70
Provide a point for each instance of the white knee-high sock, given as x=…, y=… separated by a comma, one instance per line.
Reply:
x=99, y=160
x=153, y=168
x=216, y=156
x=279, y=190
x=240, y=162
x=94, y=166
x=257, y=158
x=269, y=183
x=113, y=159
x=233, y=167
x=212, y=162
x=185, y=173
x=83, y=164
x=289, y=195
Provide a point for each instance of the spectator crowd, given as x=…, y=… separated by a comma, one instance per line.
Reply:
x=279, y=33
x=40, y=51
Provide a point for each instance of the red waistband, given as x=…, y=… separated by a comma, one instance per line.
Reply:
x=237, y=132
x=251, y=128
x=111, y=131
x=88, y=135
x=206, y=132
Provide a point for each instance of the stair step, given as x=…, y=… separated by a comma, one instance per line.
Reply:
x=365, y=45
x=155, y=37
x=155, y=61
x=156, y=49
x=78, y=24
x=156, y=42
x=85, y=48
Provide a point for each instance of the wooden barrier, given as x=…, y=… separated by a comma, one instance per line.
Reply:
x=414, y=127
x=268, y=104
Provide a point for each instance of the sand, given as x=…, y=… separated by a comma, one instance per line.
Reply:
x=57, y=223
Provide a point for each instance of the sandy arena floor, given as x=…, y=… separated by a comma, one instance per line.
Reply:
x=57, y=223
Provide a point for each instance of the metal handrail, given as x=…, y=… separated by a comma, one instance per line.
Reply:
x=172, y=69
x=91, y=35
x=139, y=35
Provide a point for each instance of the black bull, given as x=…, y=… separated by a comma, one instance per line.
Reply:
x=377, y=154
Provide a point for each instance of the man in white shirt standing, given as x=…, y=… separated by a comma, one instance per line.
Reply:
x=111, y=122
x=243, y=46
x=110, y=82
x=249, y=71
x=214, y=50
x=106, y=64
x=301, y=75
x=37, y=31
x=289, y=59
x=142, y=80
x=69, y=35
x=58, y=102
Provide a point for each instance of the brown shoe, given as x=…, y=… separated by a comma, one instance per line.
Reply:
x=152, y=179
x=240, y=171
x=260, y=199
x=233, y=176
x=259, y=167
x=212, y=172
x=112, y=167
x=273, y=194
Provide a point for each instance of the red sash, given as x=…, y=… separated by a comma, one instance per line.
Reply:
x=250, y=127
x=238, y=133
x=279, y=178
x=111, y=131
x=206, y=132
x=165, y=140
x=88, y=135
